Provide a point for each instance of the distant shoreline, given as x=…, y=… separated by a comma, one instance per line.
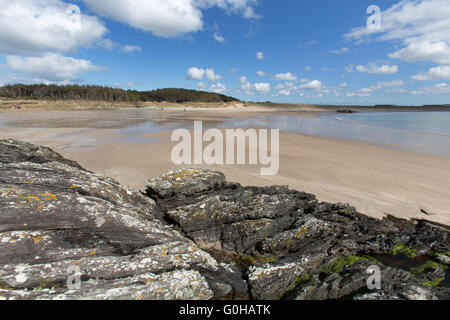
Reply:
x=51, y=105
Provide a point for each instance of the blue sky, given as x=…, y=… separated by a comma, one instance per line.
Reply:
x=310, y=51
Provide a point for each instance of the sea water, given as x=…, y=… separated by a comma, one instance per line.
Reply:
x=422, y=132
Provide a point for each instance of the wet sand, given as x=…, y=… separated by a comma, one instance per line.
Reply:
x=374, y=179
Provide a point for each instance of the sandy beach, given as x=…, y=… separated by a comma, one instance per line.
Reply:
x=376, y=180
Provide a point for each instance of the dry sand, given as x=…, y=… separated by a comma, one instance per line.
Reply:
x=374, y=179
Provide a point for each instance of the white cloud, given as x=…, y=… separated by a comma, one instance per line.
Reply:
x=372, y=68
x=249, y=88
x=308, y=68
x=32, y=27
x=421, y=25
x=250, y=14
x=261, y=73
x=284, y=92
x=285, y=77
x=211, y=76
x=166, y=18
x=340, y=51
x=260, y=55
x=218, y=88
x=286, y=85
x=396, y=90
x=219, y=38
x=195, y=73
x=436, y=73
x=422, y=51
x=51, y=67
x=262, y=88
x=394, y=83
x=130, y=49
x=366, y=92
x=315, y=85
x=435, y=90
x=287, y=88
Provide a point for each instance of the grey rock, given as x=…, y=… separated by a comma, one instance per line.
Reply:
x=185, y=182
x=284, y=237
x=55, y=215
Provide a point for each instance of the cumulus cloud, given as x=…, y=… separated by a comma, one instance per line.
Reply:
x=436, y=73
x=260, y=55
x=422, y=51
x=31, y=27
x=51, y=67
x=286, y=88
x=249, y=88
x=372, y=68
x=166, y=18
x=195, y=73
x=285, y=77
x=289, y=87
x=218, y=88
x=315, y=85
x=211, y=76
x=262, y=88
x=421, y=25
x=284, y=92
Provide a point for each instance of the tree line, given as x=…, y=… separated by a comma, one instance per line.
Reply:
x=99, y=93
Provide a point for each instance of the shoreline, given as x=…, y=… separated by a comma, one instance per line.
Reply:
x=376, y=180
x=97, y=105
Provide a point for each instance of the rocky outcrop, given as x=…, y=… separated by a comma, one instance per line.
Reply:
x=192, y=235
x=54, y=216
x=292, y=247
